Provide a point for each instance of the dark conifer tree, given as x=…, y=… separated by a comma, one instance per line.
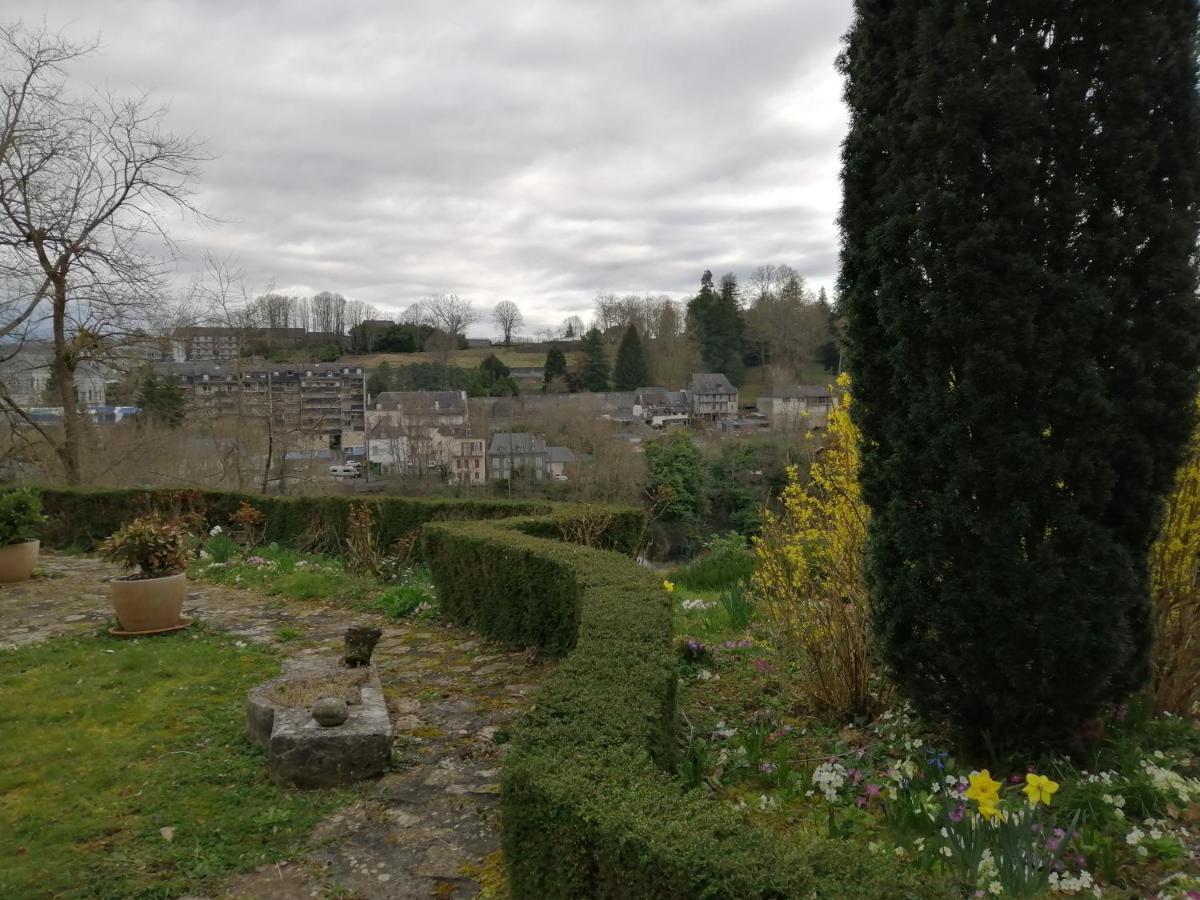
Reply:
x=594, y=375
x=714, y=321
x=556, y=365
x=1017, y=281
x=630, y=371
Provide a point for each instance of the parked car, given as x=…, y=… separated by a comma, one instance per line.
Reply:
x=347, y=471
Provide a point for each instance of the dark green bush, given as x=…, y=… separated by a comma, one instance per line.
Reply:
x=21, y=516
x=81, y=518
x=588, y=806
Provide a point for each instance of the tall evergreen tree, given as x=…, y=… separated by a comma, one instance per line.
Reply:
x=161, y=401
x=1019, y=222
x=556, y=365
x=732, y=330
x=714, y=320
x=594, y=374
x=630, y=371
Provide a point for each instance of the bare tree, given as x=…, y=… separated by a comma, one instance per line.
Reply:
x=357, y=313
x=508, y=318
x=84, y=186
x=451, y=313
x=415, y=314
x=573, y=327
x=328, y=312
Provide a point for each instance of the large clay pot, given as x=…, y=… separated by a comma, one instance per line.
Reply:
x=17, y=561
x=148, y=604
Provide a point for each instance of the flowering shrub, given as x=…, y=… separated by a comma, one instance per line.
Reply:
x=809, y=578
x=153, y=546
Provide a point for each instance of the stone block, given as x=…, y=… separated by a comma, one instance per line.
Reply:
x=301, y=752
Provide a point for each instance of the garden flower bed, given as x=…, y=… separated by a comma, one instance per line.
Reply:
x=1122, y=819
x=396, y=589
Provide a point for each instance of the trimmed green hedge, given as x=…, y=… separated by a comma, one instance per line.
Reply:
x=82, y=518
x=589, y=807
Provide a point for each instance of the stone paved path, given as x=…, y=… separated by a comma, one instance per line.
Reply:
x=428, y=828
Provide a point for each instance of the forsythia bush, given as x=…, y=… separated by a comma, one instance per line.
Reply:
x=1175, y=589
x=809, y=577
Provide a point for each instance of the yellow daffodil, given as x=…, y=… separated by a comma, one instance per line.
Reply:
x=1039, y=789
x=983, y=789
x=989, y=810
x=669, y=586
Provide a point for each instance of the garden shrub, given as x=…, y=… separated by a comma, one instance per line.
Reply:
x=21, y=516
x=81, y=518
x=810, y=582
x=588, y=803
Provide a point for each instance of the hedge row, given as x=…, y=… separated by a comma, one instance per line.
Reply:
x=82, y=518
x=588, y=805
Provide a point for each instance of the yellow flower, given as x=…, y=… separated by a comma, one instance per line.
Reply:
x=989, y=810
x=669, y=586
x=1039, y=788
x=983, y=789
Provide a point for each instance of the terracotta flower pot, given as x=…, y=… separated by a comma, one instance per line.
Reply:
x=148, y=604
x=17, y=561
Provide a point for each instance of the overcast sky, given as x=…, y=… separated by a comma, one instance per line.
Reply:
x=534, y=151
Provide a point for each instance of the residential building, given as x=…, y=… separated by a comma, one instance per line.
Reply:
x=659, y=407
x=799, y=406
x=711, y=396
x=25, y=376
x=466, y=456
x=521, y=454
x=478, y=343
x=322, y=405
x=408, y=431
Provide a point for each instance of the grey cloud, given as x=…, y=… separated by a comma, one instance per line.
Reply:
x=538, y=151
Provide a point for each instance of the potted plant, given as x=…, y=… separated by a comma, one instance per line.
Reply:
x=21, y=521
x=155, y=550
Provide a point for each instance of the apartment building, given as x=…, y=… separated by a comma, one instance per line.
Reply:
x=323, y=404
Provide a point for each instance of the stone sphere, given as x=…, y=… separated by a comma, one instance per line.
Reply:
x=330, y=711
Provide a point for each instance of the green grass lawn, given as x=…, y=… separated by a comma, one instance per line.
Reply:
x=104, y=743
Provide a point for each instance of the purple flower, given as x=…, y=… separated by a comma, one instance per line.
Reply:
x=873, y=790
x=1120, y=711
x=861, y=801
x=767, y=768
x=854, y=775
x=956, y=814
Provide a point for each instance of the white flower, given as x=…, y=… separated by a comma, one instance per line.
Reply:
x=697, y=603
x=1067, y=883
x=829, y=777
x=1134, y=837
x=215, y=530
x=995, y=888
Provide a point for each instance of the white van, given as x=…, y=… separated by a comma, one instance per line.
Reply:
x=345, y=471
